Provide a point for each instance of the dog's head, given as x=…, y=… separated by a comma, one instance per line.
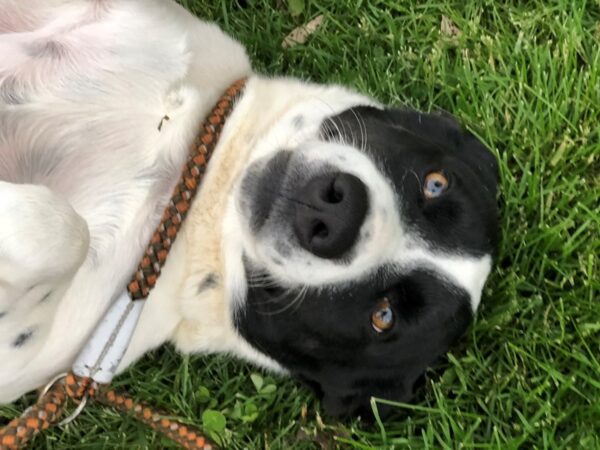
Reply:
x=366, y=251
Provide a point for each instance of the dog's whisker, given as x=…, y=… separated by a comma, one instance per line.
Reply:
x=300, y=298
x=361, y=129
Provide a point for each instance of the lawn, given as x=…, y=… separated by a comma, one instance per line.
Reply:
x=525, y=77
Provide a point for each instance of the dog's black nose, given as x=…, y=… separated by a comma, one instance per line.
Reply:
x=329, y=214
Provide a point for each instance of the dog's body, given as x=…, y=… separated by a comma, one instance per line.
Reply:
x=86, y=170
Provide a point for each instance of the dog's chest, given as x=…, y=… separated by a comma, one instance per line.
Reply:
x=104, y=118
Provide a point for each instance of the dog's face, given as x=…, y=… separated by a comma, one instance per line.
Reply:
x=368, y=248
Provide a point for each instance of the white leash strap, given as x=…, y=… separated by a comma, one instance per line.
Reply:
x=106, y=347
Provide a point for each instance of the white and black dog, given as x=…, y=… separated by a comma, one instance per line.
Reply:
x=333, y=239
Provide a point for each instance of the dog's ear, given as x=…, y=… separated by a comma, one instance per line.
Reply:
x=441, y=128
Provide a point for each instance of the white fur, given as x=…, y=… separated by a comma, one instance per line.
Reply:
x=85, y=173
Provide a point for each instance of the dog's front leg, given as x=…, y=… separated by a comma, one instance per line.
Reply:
x=43, y=241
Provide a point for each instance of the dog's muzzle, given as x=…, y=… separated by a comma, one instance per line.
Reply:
x=315, y=206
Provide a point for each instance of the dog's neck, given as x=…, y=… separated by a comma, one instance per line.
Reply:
x=204, y=299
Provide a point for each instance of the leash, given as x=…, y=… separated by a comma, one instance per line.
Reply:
x=97, y=363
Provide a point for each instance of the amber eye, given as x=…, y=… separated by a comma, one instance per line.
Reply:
x=382, y=317
x=435, y=184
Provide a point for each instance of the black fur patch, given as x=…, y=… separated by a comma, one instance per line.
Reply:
x=407, y=145
x=327, y=339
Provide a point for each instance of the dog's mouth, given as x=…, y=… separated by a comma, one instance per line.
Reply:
x=261, y=282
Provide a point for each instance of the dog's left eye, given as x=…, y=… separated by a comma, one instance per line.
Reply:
x=382, y=318
x=435, y=184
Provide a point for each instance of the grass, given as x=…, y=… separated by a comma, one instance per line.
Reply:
x=525, y=76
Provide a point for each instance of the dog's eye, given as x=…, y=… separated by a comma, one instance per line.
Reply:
x=382, y=318
x=435, y=184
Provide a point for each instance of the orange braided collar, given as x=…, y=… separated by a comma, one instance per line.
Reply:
x=148, y=270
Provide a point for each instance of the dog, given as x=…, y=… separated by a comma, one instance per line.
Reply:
x=334, y=239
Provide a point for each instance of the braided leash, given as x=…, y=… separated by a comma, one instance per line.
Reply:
x=84, y=381
x=48, y=409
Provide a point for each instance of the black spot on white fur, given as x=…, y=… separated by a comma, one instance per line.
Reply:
x=48, y=49
x=2, y=314
x=10, y=92
x=22, y=338
x=298, y=122
x=45, y=298
x=210, y=281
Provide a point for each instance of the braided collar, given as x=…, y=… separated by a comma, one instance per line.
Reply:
x=148, y=270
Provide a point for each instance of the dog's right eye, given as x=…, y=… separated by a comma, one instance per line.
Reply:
x=435, y=184
x=382, y=318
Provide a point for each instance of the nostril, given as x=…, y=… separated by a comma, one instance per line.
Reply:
x=320, y=230
x=332, y=193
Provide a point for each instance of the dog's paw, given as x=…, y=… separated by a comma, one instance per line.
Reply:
x=42, y=236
